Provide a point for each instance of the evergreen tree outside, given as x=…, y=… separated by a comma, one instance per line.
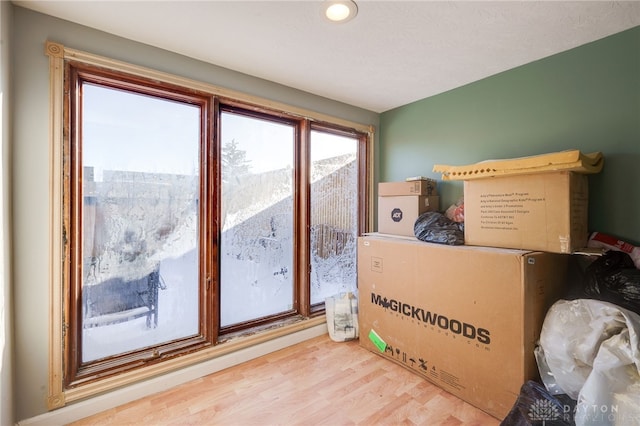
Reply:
x=234, y=166
x=234, y=161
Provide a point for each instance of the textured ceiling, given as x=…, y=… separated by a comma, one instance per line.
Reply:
x=391, y=54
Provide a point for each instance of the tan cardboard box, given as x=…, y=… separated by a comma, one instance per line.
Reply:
x=397, y=215
x=544, y=211
x=465, y=318
x=426, y=187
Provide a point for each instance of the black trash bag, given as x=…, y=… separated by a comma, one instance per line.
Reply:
x=536, y=406
x=577, y=276
x=614, y=278
x=434, y=227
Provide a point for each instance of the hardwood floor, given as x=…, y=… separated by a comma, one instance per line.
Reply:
x=317, y=382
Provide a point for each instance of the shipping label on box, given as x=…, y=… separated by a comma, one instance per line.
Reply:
x=545, y=211
x=424, y=187
x=465, y=318
x=397, y=215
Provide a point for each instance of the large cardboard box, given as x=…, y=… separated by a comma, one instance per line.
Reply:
x=425, y=187
x=397, y=215
x=465, y=318
x=543, y=211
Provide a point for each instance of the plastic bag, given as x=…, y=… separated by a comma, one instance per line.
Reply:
x=342, y=316
x=535, y=404
x=592, y=351
x=600, y=240
x=434, y=227
x=614, y=278
x=545, y=372
x=455, y=212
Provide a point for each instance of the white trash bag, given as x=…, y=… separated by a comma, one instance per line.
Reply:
x=590, y=350
x=342, y=316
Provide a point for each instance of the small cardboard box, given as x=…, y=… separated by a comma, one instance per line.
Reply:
x=397, y=215
x=425, y=187
x=465, y=318
x=543, y=211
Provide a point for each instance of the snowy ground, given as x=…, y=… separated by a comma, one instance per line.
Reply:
x=177, y=315
x=265, y=290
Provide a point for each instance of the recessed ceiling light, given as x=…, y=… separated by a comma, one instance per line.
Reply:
x=339, y=10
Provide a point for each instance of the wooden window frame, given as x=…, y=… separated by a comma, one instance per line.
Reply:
x=77, y=372
x=63, y=387
x=363, y=160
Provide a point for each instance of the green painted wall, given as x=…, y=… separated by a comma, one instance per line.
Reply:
x=587, y=98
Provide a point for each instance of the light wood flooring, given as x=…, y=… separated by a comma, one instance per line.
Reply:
x=317, y=382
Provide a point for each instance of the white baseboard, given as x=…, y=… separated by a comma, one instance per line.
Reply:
x=81, y=409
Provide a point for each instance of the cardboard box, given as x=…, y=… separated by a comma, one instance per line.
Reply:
x=465, y=318
x=425, y=187
x=397, y=215
x=544, y=211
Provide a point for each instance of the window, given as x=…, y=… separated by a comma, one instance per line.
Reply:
x=189, y=217
x=139, y=230
x=257, y=236
x=138, y=172
x=335, y=212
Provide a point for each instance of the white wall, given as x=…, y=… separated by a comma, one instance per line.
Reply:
x=30, y=158
x=6, y=368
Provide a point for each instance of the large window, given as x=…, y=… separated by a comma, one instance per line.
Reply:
x=257, y=235
x=138, y=174
x=139, y=231
x=190, y=217
x=335, y=212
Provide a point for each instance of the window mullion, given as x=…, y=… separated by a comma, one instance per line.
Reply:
x=303, y=202
x=209, y=218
